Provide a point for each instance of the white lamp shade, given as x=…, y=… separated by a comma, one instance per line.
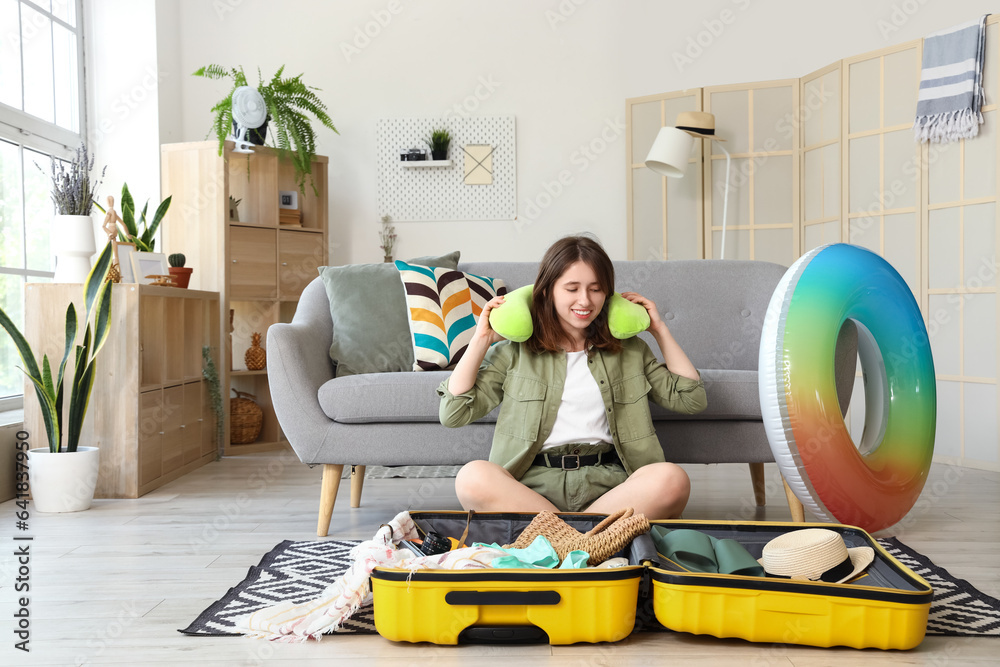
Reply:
x=670, y=152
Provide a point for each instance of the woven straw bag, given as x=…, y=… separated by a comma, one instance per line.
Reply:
x=245, y=419
x=600, y=542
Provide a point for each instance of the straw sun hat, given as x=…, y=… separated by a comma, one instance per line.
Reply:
x=699, y=124
x=814, y=554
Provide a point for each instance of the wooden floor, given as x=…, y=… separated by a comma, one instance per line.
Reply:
x=112, y=585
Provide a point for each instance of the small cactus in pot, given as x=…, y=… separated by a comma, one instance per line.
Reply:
x=178, y=272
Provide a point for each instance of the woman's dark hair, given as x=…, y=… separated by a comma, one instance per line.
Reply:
x=549, y=335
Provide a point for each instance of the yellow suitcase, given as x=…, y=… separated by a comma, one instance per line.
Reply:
x=886, y=607
x=505, y=605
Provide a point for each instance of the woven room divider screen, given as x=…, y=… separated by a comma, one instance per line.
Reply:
x=831, y=157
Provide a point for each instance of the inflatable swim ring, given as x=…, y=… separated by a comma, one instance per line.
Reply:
x=874, y=484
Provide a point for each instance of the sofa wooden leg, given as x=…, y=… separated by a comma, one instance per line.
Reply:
x=757, y=479
x=328, y=496
x=798, y=512
x=357, y=483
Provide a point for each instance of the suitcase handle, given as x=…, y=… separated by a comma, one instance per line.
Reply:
x=502, y=597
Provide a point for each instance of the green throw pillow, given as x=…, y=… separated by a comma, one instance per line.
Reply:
x=371, y=329
x=512, y=320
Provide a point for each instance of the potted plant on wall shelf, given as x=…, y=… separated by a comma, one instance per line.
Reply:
x=288, y=100
x=72, y=229
x=439, y=141
x=62, y=477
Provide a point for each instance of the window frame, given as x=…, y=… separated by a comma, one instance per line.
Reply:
x=28, y=132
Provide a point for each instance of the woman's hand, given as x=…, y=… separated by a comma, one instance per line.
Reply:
x=655, y=321
x=463, y=378
x=483, y=329
x=673, y=356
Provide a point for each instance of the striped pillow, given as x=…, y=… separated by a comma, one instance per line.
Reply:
x=443, y=305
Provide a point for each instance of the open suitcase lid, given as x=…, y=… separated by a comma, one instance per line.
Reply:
x=886, y=579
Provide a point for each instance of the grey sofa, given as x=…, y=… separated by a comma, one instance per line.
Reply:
x=715, y=309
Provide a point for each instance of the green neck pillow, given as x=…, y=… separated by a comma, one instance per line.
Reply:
x=512, y=320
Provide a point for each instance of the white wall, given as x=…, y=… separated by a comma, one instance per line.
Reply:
x=562, y=67
x=123, y=88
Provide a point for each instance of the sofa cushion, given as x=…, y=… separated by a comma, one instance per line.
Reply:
x=731, y=395
x=385, y=397
x=410, y=397
x=442, y=308
x=368, y=308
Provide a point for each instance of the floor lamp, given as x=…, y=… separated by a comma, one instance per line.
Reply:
x=671, y=151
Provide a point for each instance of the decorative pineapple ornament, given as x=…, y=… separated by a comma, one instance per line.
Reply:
x=255, y=357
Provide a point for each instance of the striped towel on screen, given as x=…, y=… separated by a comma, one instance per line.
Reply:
x=951, y=84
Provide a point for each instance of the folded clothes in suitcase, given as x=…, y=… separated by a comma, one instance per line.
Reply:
x=885, y=607
x=507, y=605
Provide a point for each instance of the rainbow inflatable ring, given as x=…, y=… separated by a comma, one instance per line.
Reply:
x=874, y=484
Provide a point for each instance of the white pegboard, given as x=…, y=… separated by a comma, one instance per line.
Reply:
x=440, y=193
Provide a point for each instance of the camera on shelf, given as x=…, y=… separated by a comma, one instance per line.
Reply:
x=413, y=155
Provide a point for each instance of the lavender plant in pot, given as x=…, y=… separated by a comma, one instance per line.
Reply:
x=63, y=475
x=72, y=238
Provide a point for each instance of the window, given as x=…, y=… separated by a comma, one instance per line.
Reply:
x=41, y=116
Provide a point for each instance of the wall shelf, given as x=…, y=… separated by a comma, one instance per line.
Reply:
x=410, y=164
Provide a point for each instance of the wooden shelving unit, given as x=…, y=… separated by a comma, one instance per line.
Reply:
x=258, y=266
x=150, y=409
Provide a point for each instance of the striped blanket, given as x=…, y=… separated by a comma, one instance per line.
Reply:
x=951, y=84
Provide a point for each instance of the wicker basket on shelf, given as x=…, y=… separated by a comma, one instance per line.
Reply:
x=245, y=419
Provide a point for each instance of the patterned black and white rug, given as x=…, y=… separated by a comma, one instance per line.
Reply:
x=299, y=571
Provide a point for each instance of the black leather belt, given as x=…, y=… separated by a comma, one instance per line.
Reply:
x=575, y=461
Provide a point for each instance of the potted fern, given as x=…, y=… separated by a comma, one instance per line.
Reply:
x=63, y=475
x=288, y=102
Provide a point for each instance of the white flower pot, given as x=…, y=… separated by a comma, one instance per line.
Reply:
x=63, y=482
x=72, y=243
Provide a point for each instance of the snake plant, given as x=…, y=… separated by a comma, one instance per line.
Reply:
x=51, y=390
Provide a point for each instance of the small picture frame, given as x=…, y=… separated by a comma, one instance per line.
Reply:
x=288, y=199
x=149, y=264
x=125, y=252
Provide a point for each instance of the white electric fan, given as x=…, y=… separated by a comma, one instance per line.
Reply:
x=249, y=113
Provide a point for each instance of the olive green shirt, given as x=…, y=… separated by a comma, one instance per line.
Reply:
x=530, y=386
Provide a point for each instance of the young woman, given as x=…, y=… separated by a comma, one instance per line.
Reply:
x=574, y=432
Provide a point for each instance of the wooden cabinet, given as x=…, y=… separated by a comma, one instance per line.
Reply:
x=253, y=255
x=258, y=266
x=150, y=409
x=299, y=258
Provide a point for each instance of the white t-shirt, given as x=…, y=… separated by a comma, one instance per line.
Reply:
x=581, y=416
